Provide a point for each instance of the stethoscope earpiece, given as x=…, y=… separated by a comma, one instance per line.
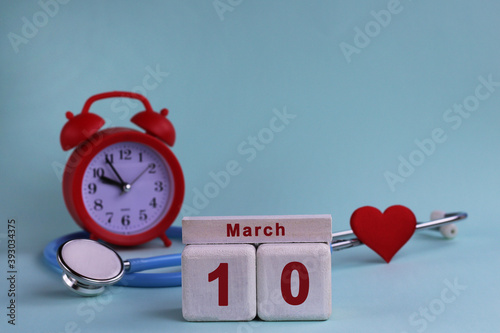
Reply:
x=88, y=266
x=448, y=231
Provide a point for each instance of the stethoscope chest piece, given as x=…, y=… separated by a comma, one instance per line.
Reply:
x=89, y=266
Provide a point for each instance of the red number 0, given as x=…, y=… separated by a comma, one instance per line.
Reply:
x=286, y=288
x=221, y=274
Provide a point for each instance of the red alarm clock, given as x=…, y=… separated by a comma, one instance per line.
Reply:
x=123, y=186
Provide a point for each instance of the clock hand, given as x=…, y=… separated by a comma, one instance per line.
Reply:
x=122, y=183
x=110, y=181
x=140, y=175
x=128, y=187
x=125, y=187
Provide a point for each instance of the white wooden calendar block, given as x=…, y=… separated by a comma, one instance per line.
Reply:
x=294, y=281
x=219, y=282
x=256, y=229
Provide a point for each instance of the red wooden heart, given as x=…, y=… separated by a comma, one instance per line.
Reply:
x=384, y=233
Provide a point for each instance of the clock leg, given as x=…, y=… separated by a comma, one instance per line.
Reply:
x=166, y=240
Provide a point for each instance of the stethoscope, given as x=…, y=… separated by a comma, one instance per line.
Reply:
x=88, y=266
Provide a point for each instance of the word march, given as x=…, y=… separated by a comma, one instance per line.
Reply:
x=248, y=231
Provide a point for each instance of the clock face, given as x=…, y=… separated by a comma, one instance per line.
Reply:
x=127, y=188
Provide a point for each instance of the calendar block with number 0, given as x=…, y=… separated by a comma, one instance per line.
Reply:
x=235, y=268
x=294, y=281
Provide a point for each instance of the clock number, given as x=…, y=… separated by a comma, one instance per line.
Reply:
x=109, y=157
x=152, y=203
x=142, y=215
x=98, y=172
x=140, y=157
x=152, y=168
x=92, y=188
x=159, y=186
x=221, y=273
x=125, y=154
x=126, y=220
x=98, y=204
x=110, y=216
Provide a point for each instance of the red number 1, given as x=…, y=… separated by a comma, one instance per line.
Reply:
x=221, y=274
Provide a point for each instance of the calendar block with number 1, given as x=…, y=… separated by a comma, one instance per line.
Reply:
x=235, y=268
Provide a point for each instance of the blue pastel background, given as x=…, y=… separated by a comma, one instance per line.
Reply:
x=362, y=96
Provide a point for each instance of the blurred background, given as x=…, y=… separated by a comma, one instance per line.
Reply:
x=380, y=103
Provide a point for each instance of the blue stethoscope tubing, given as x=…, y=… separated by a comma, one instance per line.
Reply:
x=131, y=278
